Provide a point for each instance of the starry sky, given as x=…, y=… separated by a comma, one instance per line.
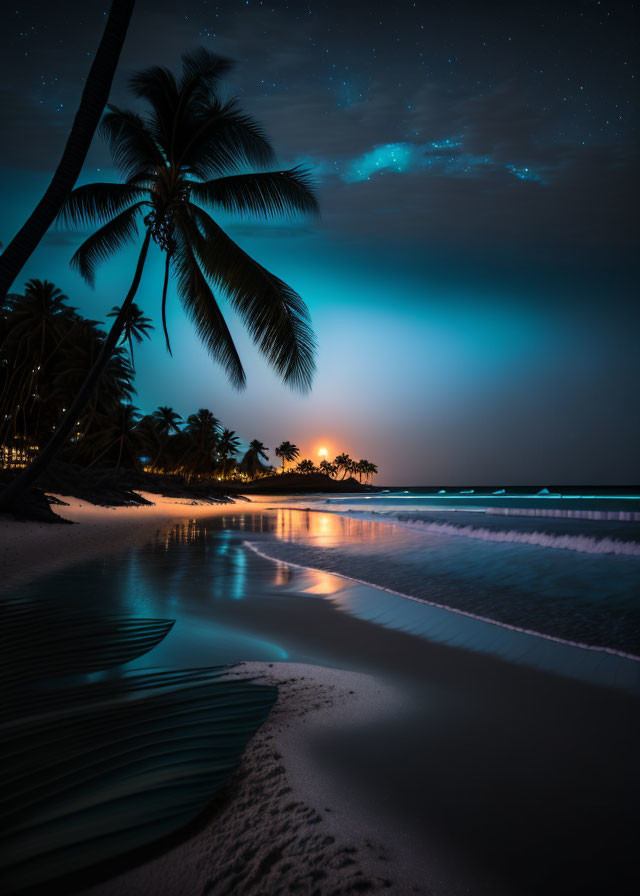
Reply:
x=473, y=276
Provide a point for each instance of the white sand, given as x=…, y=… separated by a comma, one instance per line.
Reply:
x=280, y=826
x=29, y=549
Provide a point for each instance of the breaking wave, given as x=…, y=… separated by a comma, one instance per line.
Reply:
x=457, y=611
x=584, y=544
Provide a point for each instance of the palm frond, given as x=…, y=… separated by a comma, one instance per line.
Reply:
x=97, y=203
x=158, y=86
x=200, y=304
x=275, y=315
x=221, y=139
x=105, y=242
x=135, y=152
x=202, y=70
x=265, y=194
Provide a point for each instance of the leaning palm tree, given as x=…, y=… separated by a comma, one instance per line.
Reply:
x=287, y=451
x=93, y=100
x=250, y=463
x=370, y=470
x=343, y=462
x=325, y=466
x=136, y=326
x=191, y=150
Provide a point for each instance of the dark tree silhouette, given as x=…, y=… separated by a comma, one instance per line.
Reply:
x=287, y=451
x=343, y=462
x=92, y=103
x=188, y=150
x=250, y=464
x=136, y=326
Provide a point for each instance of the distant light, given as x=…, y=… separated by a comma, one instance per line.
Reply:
x=322, y=452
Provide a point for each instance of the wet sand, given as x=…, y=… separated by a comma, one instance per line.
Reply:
x=468, y=774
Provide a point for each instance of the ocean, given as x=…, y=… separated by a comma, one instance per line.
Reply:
x=563, y=566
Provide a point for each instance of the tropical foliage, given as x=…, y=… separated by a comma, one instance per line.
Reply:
x=46, y=349
x=188, y=157
x=343, y=463
x=288, y=452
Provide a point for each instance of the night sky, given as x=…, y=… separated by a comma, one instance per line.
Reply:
x=472, y=278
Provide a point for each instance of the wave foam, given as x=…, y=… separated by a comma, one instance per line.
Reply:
x=584, y=544
x=430, y=603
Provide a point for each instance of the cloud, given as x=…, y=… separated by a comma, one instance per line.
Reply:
x=444, y=157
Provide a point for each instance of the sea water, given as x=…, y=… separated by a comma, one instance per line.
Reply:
x=573, y=577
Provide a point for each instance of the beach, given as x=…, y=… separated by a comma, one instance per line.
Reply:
x=392, y=760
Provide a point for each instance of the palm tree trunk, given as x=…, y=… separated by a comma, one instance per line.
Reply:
x=92, y=103
x=28, y=476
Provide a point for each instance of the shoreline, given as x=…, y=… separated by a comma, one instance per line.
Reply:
x=418, y=750
x=29, y=549
x=275, y=807
x=275, y=828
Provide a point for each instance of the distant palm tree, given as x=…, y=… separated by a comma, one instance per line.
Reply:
x=226, y=450
x=370, y=470
x=166, y=421
x=187, y=152
x=327, y=467
x=136, y=326
x=250, y=463
x=343, y=462
x=94, y=97
x=287, y=451
x=306, y=466
x=203, y=429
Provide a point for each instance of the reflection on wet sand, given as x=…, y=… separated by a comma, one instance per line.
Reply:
x=328, y=529
x=518, y=773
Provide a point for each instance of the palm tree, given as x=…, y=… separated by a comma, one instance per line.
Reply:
x=203, y=429
x=306, y=466
x=250, y=463
x=186, y=152
x=92, y=103
x=226, y=449
x=74, y=360
x=287, y=451
x=370, y=470
x=327, y=468
x=343, y=462
x=36, y=324
x=166, y=421
x=136, y=326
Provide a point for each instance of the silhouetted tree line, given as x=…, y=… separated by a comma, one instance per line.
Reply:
x=46, y=348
